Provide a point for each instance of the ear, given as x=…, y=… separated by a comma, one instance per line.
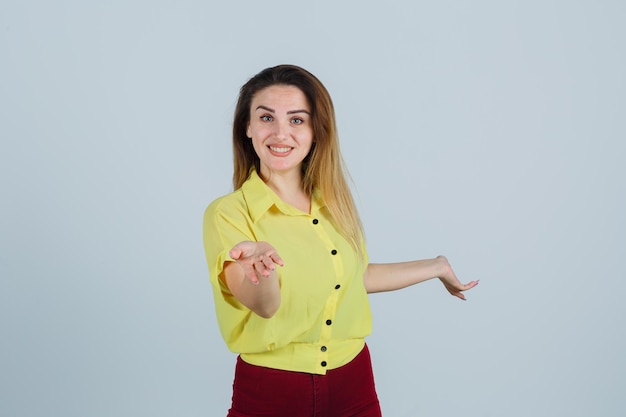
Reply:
x=248, y=134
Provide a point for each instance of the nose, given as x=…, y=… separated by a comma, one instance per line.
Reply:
x=281, y=130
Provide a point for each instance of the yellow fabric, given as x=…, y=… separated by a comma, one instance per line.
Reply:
x=297, y=337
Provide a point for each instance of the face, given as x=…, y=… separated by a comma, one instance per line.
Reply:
x=280, y=129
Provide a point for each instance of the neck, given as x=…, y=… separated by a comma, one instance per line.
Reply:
x=288, y=186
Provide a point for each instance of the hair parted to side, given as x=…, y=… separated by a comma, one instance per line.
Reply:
x=323, y=168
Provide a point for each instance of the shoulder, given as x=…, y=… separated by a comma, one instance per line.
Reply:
x=247, y=204
x=227, y=205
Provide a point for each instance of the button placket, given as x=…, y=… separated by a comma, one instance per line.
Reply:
x=330, y=309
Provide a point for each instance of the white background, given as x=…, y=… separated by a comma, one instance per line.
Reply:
x=489, y=131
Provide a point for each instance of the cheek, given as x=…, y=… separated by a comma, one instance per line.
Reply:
x=310, y=140
x=256, y=145
x=257, y=131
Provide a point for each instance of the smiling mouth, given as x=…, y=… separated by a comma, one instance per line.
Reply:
x=279, y=149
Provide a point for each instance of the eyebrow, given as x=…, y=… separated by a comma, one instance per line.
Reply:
x=289, y=112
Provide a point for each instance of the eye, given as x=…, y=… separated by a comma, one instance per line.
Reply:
x=297, y=121
x=267, y=118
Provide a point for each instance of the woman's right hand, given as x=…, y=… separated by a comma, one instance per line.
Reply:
x=256, y=259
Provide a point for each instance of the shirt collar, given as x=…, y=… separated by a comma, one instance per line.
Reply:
x=260, y=198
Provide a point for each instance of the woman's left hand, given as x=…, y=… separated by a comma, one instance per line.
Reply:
x=451, y=282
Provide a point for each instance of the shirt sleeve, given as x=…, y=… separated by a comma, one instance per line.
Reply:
x=225, y=225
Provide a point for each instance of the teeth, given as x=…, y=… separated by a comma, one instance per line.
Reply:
x=281, y=150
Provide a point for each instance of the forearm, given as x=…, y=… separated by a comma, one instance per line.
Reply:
x=394, y=276
x=262, y=298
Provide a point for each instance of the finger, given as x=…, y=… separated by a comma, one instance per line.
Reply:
x=235, y=253
x=277, y=259
x=268, y=263
x=260, y=268
x=457, y=294
x=248, y=270
x=251, y=274
x=470, y=285
x=240, y=249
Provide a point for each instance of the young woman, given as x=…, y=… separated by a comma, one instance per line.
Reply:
x=287, y=259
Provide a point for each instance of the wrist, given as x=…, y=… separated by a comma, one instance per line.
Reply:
x=443, y=266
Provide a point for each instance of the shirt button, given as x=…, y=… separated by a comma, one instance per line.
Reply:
x=329, y=322
x=337, y=286
x=323, y=363
x=333, y=252
x=324, y=348
x=315, y=221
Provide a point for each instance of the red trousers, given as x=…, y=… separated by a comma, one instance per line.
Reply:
x=343, y=392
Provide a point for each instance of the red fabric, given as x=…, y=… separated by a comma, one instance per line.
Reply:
x=343, y=392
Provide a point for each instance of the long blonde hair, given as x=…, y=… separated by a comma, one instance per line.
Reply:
x=323, y=168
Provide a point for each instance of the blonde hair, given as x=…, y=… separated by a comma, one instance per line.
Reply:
x=323, y=168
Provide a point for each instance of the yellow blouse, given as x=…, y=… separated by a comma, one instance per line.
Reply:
x=324, y=313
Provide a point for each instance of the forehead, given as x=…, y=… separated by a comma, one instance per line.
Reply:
x=279, y=96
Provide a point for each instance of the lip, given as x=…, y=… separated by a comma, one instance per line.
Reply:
x=280, y=150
